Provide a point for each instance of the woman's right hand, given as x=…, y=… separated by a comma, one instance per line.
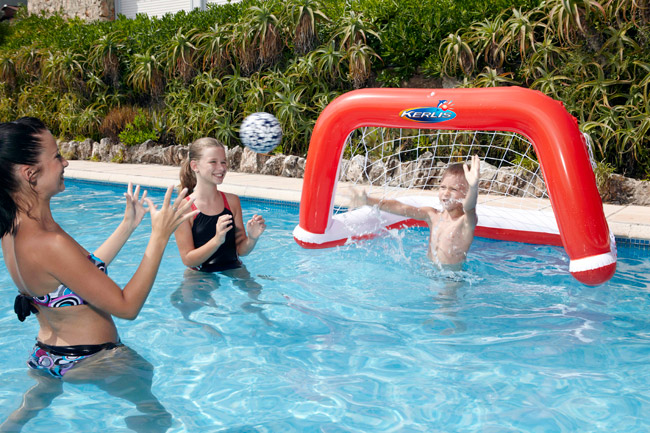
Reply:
x=166, y=220
x=224, y=224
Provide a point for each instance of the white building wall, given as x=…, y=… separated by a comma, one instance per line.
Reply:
x=158, y=8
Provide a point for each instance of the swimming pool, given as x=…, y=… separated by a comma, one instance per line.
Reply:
x=361, y=338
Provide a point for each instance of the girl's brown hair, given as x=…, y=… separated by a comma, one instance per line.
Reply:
x=187, y=176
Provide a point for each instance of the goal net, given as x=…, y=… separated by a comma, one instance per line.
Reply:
x=536, y=184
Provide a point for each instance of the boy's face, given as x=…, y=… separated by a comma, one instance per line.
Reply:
x=452, y=191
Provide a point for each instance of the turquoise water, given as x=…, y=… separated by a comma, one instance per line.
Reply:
x=362, y=338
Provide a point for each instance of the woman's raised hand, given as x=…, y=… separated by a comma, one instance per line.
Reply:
x=135, y=210
x=167, y=219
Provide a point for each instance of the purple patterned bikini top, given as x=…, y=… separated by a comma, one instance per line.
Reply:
x=63, y=296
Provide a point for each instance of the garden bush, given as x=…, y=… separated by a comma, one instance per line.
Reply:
x=201, y=72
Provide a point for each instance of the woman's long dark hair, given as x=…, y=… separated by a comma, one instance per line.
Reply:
x=20, y=144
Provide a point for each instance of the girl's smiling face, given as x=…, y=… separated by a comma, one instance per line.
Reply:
x=212, y=166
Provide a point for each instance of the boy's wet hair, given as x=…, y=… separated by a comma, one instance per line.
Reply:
x=455, y=169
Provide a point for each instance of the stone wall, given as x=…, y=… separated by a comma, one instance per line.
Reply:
x=616, y=189
x=85, y=9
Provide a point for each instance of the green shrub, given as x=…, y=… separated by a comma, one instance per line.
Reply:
x=116, y=120
x=138, y=131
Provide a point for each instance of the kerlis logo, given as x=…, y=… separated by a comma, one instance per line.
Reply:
x=439, y=113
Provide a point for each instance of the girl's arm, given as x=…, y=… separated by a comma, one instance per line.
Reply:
x=133, y=215
x=255, y=227
x=68, y=265
x=193, y=257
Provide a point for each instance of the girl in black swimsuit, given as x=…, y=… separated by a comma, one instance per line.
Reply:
x=216, y=238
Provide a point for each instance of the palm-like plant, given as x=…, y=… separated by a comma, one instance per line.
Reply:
x=28, y=62
x=568, y=17
x=265, y=33
x=8, y=71
x=257, y=94
x=213, y=48
x=492, y=78
x=7, y=107
x=359, y=57
x=181, y=53
x=550, y=83
x=225, y=129
x=644, y=83
x=353, y=28
x=147, y=74
x=245, y=52
x=598, y=89
x=456, y=53
x=604, y=126
x=327, y=63
x=521, y=31
x=105, y=57
x=207, y=88
x=487, y=38
x=64, y=70
x=544, y=60
x=235, y=86
x=631, y=136
x=304, y=14
x=290, y=108
x=618, y=41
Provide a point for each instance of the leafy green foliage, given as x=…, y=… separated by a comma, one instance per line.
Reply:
x=198, y=73
x=138, y=131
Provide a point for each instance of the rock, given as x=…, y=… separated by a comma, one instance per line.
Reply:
x=69, y=150
x=421, y=173
x=273, y=166
x=377, y=173
x=181, y=154
x=252, y=162
x=234, y=158
x=101, y=151
x=293, y=166
x=356, y=170
x=146, y=153
x=85, y=149
x=623, y=190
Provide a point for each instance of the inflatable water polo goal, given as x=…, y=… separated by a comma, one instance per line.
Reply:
x=537, y=182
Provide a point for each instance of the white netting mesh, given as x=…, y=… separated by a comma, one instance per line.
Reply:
x=389, y=162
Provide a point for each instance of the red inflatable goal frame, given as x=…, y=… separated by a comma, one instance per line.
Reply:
x=559, y=145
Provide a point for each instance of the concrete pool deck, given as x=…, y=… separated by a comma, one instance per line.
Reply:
x=632, y=222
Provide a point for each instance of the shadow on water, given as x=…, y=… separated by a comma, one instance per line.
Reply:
x=195, y=292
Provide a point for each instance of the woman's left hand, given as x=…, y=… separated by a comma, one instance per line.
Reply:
x=255, y=227
x=135, y=210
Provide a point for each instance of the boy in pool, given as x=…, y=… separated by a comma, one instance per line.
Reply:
x=451, y=230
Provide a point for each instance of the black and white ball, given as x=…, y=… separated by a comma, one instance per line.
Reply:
x=261, y=132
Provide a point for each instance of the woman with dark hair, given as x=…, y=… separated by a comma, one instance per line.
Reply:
x=67, y=287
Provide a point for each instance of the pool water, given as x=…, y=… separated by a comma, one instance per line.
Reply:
x=360, y=338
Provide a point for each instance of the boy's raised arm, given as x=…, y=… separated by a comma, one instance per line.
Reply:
x=393, y=206
x=472, y=175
